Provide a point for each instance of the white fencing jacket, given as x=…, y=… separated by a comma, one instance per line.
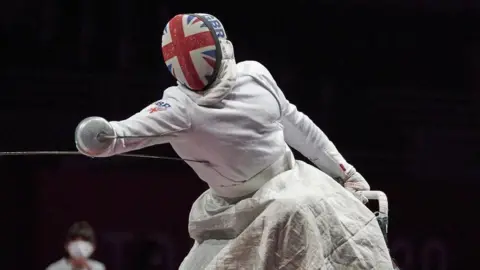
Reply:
x=240, y=137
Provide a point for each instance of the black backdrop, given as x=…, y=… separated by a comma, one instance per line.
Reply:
x=394, y=86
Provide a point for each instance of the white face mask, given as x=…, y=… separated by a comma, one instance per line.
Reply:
x=80, y=249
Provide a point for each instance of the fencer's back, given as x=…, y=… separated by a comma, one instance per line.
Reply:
x=240, y=137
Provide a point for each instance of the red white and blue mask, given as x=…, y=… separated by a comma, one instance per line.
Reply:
x=192, y=50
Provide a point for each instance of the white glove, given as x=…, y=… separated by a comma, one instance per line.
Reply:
x=355, y=184
x=88, y=136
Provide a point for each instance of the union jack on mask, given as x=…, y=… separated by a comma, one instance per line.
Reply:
x=191, y=49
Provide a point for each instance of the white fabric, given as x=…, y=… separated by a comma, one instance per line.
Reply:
x=301, y=219
x=298, y=217
x=226, y=78
x=239, y=136
x=63, y=264
x=357, y=184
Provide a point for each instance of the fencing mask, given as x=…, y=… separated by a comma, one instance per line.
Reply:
x=197, y=53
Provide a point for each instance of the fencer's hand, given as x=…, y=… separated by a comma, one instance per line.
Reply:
x=89, y=136
x=356, y=184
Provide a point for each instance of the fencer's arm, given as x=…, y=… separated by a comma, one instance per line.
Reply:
x=158, y=123
x=302, y=134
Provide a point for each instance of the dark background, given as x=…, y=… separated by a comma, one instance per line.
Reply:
x=395, y=86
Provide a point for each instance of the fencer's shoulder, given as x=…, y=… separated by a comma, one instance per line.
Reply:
x=252, y=68
x=175, y=93
x=172, y=92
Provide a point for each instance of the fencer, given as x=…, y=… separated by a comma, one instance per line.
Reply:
x=263, y=208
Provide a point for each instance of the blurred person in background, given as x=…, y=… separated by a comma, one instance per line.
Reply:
x=79, y=246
